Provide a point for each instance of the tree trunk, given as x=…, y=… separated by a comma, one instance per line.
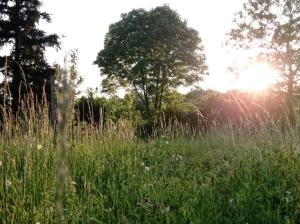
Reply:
x=17, y=76
x=290, y=90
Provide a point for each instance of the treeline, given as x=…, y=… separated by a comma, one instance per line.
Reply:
x=199, y=109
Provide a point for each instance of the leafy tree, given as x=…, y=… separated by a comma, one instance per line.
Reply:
x=151, y=52
x=27, y=67
x=273, y=26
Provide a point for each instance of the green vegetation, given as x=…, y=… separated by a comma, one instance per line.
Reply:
x=151, y=53
x=156, y=155
x=223, y=177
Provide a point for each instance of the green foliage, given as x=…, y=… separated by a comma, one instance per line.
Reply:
x=151, y=52
x=103, y=110
x=199, y=109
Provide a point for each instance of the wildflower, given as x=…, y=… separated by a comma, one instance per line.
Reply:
x=177, y=157
x=231, y=200
x=288, y=196
x=146, y=185
x=108, y=210
x=287, y=199
x=147, y=168
x=0, y=163
x=204, y=185
x=7, y=183
x=38, y=223
x=39, y=147
x=166, y=210
x=167, y=142
x=142, y=164
x=73, y=182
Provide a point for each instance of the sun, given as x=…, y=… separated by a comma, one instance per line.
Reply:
x=256, y=77
x=250, y=77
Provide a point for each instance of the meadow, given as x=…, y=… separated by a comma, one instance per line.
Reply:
x=224, y=176
x=225, y=151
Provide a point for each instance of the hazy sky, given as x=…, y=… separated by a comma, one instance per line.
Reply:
x=85, y=23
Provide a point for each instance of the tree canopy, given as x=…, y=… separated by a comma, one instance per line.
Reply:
x=151, y=52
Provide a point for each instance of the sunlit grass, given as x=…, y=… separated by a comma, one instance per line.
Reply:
x=218, y=178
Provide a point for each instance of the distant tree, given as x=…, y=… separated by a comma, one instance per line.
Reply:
x=206, y=107
x=27, y=66
x=99, y=110
x=273, y=26
x=151, y=52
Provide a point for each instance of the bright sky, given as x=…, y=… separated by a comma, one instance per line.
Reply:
x=85, y=23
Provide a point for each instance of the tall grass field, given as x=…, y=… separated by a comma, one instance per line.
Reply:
x=112, y=177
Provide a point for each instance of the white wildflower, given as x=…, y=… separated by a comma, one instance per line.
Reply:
x=288, y=196
x=39, y=147
x=177, y=157
x=108, y=210
x=142, y=164
x=166, y=210
x=73, y=182
x=147, y=168
x=231, y=200
x=287, y=199
x=7, y=183
x=0, y=163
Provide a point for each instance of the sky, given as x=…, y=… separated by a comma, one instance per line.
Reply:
x=85, y=23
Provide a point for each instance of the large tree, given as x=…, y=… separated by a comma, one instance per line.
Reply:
x=273, y=27
x=151, y=52
x=27, y=66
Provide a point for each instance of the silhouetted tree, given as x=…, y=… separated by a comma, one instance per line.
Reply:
x=28, y=68
x=273, y=27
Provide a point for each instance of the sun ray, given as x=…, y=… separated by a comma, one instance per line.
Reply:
x=256, y=77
